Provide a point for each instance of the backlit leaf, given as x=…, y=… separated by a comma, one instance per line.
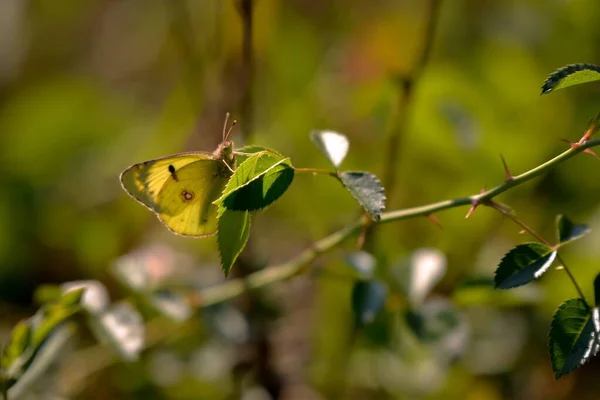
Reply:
x=232, y=236
x=256, y=183
x=571, y=75
x=523, y=264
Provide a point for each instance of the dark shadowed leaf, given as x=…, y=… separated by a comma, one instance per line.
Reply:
x=362, y=262
x=522, y=264
x=573, y=340
x=333, y=144
x=568, y=231
x=368, y=297
x=256, y=183
x=438, y=322
x=571, y=75
x=367, y=190
x=232, y=236
x=597, y=290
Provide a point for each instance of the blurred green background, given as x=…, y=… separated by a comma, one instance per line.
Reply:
x=90, y=87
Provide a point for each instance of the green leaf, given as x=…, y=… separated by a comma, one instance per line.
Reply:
x=367, y=190
x=333, y=144
x=256, y=183
x=232, y=236
x=567, y=231
x=20, y=340
x=571, y=75
x=573, y=336
x=362, y=262
x=523, y=264
x=243, y=153
x=368, y=297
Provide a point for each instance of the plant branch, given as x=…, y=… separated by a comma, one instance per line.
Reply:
x=245, y=9
x=296, y=265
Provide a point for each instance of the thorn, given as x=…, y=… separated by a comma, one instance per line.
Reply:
x=435, y=220
x=360, y=242
x=476, y=203
x=571, y=144
x=506, y=170
x=590, y=151
x=591, y=129
x=472, y=209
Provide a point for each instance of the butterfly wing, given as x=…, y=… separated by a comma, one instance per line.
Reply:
x=165, y=185
x=143, y=181
x=184, y=203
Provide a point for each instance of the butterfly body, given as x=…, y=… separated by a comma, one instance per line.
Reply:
x=181, y=188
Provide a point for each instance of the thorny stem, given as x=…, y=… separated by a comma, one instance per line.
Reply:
x=296, y=265
x=277, y=273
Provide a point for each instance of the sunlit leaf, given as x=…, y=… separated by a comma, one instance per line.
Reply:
x=368, y=297
x=363, y=262
x=20, y=339
x=38, y=360
x=171, y=305
x=571, y=75
x=573, y=336
x=333, y=144
x=122, y=327
x=256, y=183
x=523, y=264
x=367, y=190
x=232, y=236
x=95, y=297
x=568, y=231
x=427, y=267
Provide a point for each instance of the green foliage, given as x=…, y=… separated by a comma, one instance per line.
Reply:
x=256, y=183
x=233, y=234
x=522, y=264
x=571, y=75
x=573, y=336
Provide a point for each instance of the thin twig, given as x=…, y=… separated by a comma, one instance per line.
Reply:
x=406, y=86
x=245, y=9
x=539, y=237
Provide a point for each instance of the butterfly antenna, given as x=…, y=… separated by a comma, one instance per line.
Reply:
x=230, y=129
x=225, y=126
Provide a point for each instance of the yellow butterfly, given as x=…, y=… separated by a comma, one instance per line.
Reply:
x=180, y=189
